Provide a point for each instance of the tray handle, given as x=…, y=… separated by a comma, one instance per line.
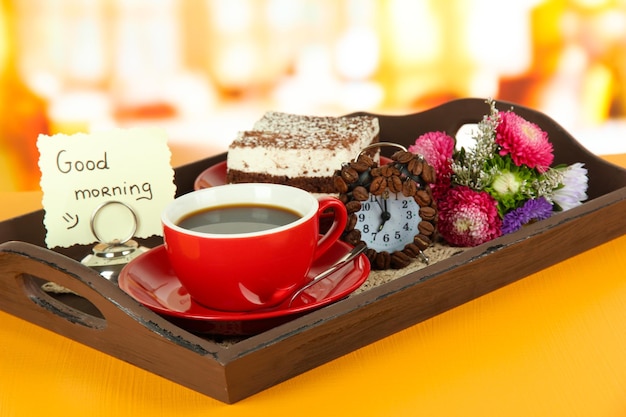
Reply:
x=33, y=290
x=105, y=317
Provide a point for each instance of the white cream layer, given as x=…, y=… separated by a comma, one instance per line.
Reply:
x=290, y=162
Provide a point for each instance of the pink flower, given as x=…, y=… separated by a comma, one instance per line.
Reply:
x=468, y=217
x=524, y=141
x=437, y=149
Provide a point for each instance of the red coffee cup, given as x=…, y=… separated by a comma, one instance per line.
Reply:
x=242, y=247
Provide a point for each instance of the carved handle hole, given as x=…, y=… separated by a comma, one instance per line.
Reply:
x=66, y=304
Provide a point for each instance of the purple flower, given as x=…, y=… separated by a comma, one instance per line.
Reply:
x=531, y=211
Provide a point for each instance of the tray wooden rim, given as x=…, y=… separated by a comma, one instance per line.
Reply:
x=231, y=373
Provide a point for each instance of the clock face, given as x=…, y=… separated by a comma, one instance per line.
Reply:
x=388, y=224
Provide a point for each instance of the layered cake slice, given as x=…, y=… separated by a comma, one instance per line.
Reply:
x=296, y=150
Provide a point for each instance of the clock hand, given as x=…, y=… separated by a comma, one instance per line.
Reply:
x=384, y=215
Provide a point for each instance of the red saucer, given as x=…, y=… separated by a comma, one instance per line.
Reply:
x=149, y=279
x=212, y=176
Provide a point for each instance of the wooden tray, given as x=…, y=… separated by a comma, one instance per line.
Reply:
x=109, y=320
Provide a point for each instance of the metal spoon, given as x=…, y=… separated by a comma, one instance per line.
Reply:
x=357, y=250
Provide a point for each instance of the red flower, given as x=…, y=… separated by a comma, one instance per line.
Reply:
x=437, y=149
x=468, y=217
x=524, y=141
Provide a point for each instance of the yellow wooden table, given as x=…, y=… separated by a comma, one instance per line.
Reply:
x=552, y=344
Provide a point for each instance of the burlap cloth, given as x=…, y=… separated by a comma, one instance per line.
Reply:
x=435, y=253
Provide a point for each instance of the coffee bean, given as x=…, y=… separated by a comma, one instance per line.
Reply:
x=359, y=166
x=353, y=237
x=402, y=156
x=360, y=193
x=349, y=174
x=378, y=185
x=422, y=241
x=427, y=213
x=366, y=160
x=426, y=228
x=409, y=188
x=394, y=184
x=352, y=219
x=412, y=250
x=423, y=197
x=415, y=166
x=383, y=260
x=429, y=174
x=389, y=170
x=399, y=260
x=340, y=185
x=353, y=206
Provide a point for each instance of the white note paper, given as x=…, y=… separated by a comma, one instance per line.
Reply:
x=81, y=172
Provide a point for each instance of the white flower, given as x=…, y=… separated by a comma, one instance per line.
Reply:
x=574, y=190
x=507, y=183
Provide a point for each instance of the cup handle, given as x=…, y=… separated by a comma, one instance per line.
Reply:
x=338, y=226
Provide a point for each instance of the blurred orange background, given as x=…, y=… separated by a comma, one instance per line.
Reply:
x=204, y=69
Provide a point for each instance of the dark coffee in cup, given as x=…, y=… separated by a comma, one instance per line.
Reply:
x=235, y=219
